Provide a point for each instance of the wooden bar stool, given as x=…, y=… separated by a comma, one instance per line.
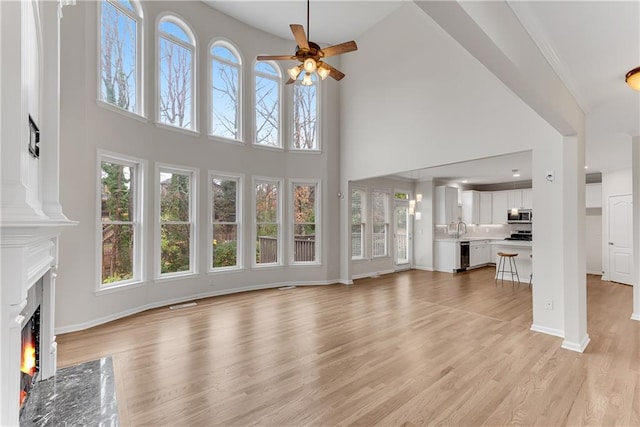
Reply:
x=502, y=267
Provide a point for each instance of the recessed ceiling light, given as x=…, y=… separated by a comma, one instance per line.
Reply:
x=515, y=175
x=586, y=167
x=464, y=181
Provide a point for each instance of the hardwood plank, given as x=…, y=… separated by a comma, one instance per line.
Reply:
x=411, y=348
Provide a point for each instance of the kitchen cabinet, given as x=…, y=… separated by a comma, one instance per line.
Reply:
x=446, y=256
x=527, y=199
x=499, y=207
x=446, y=206
x=485, y=207
x=593, y=195
x=471, y=207
x=479, y=253
x=514, y=199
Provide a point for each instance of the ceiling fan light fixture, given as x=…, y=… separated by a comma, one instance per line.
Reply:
x=294, y=72
x=306, y=81
x=323, y=72
x=633, y=79
x=310, y=65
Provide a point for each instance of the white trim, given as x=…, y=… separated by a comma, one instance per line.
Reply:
x=635, y=316
x=116, y=109
x=104, y=319
x=578, y=347
x=194, y=177
x=181, y=23
x=345, y=282
x=239, y=178
x=172, y=128
x=292, y=182
x=226, y=43
x=278, y=80
x=139, y=226
x=279, y=220
x=421, y=267
x=121, y=286
x=371, y=274
x=548, y=331
x=319, y=146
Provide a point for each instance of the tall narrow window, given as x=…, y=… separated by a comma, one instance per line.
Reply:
x=176, y=65
x=267, y=226
x=225, y=96
x=380, y=210
x=305, y=107
x=305, y=222
x=176, y=212
x=120, y=54
x=120, y=219
x=267, y=104
x=225, y=221
x=358, y=203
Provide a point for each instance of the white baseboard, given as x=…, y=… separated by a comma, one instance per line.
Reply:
x=577, y=347
x=548, y=331
x=635, y=316
x=101, y=320
x=595, y=273
x=345, y=282
x=423, y=268
x=371, y=274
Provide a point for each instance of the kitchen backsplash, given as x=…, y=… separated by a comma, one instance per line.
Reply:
x=500, y=231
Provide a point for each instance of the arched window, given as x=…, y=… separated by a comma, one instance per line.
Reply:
x=176, y=74
x=225, y=97
x=305, y=116
x=267, y=104
x=120, y=54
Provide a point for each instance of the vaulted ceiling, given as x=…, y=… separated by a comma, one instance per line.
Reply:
x=589, y=45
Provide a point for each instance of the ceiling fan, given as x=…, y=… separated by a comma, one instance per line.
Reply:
x=310, y=55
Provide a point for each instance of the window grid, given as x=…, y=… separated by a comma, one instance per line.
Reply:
x=267, y=105
x=358, y=204
x=267, y=199
x=305, y=116
x=380, y=210
x=226, y=247
x=226, y=100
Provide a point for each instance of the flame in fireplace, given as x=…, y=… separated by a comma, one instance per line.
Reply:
x=29, y=359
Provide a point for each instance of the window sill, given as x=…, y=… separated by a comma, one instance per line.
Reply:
x=226, y=140
x=268, y=147
x=172, y=128
x=121, y=111
x=223, y=270
x=108, y=289
x=294, y=264
x=267, y=266
x=303, y=151
x=174, y=276
x=359, y=260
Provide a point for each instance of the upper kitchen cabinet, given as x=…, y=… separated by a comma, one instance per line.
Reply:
x=486, y=209
x=446, y=206
x=514, y=199
x=471, y=207
x=499, y=207
x=527, y=198
x=593, y=195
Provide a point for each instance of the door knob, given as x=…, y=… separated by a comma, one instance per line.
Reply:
x=610, y=243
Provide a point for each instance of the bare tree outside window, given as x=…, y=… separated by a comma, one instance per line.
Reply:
x=267, y=105
x=118, y=56
x=225, y=68
x=267, y=221
x=305, y=117
x=176, y=76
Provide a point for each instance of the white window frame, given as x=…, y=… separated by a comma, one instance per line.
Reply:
x=277, y=79
x=193, y=230
x=363, y=222
x=139, y=112
x=254, y=234
x=239, y=178
x=319, y=88
x=318, y=220
x=139, y=231
x=229, y=45
x=387, y=223
x=184, y=26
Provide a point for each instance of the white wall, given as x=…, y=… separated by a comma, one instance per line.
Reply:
x=423, y=229
x=594, y=240
x=614, y=183
x=87, y=127
x=445, y=107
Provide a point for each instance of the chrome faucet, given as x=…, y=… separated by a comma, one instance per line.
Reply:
x=458, y=228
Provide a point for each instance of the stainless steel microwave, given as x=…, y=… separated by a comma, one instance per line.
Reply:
x=519, y=216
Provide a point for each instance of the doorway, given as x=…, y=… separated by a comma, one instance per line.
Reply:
x=402, y=236
x=620, y=239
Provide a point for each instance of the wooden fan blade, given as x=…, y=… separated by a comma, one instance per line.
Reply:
x=290, y=81
x=275, y=57
x=339, y=49
x=300, y=36
x=334, y=72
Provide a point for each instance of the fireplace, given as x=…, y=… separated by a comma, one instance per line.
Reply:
x=30, y=340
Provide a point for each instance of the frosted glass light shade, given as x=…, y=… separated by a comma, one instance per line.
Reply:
x=633, y=79
x=310, y=65
x=307, y=80
x=323, y=72
x=294, y=72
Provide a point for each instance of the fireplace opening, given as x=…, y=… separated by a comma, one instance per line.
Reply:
x=29, y=355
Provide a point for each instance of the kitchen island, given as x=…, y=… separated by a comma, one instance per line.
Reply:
x=523, y=260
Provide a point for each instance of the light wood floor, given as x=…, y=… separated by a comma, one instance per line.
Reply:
x=414, y=348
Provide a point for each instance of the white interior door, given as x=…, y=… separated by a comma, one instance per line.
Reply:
x=402, y=236
x=620, y=239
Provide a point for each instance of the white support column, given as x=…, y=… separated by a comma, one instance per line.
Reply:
x=345, y=233
x=573, y=237
x=635, y=161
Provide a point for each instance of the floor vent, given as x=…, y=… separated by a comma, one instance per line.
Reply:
x=185, y=305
